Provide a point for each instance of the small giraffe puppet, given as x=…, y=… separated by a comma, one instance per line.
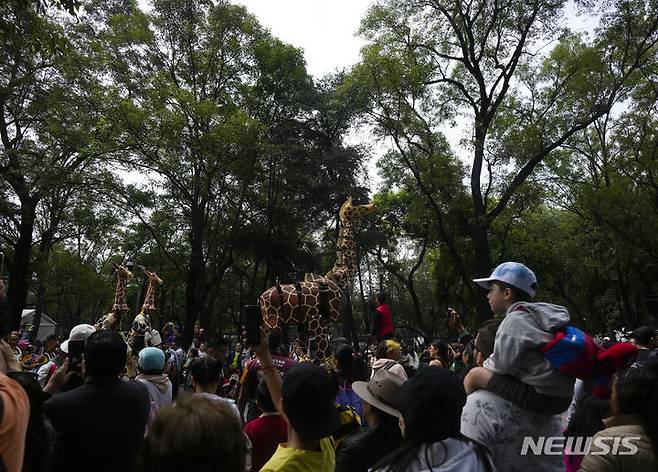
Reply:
x=120, y=307
x=315, y=302
x=142, y=322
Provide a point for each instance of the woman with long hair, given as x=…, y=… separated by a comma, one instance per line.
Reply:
x=430, y=406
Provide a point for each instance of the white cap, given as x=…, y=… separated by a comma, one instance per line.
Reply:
x=80, y=332
x=512, y=273
x=156, y=339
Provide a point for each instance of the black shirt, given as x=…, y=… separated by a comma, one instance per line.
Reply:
x=360, y=452
x=99, y=426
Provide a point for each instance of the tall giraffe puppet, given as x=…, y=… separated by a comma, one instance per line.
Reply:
x=315, y=302
x=120, y=307
x=141, y=326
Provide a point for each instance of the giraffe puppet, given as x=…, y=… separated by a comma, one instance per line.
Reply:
x=315, y=302
x=120, y=307
x=141, y=327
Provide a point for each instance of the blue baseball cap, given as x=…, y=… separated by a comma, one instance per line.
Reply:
x=512, y=273
x=151, y=359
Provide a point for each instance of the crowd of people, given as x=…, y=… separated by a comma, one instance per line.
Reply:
x=486, y=400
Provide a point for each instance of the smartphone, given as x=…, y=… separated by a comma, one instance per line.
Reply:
x=253, y=320
x=76, y=349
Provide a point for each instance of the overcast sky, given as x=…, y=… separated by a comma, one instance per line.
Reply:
x=326, y=32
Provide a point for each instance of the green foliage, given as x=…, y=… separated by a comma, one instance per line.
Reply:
x=187, y=139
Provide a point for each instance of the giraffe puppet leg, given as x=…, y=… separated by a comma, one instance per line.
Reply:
x=322, y=339
x=302, y=335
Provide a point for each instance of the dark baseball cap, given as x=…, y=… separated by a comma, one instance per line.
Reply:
x=643, y=334
x=309, y=401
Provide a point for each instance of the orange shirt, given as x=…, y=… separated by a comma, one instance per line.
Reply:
x=13, y=423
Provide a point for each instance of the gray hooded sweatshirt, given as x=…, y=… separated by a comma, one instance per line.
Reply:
x=518, y=340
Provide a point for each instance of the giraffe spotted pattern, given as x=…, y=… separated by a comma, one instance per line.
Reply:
x=302, y=303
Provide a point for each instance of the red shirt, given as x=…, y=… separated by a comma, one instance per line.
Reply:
x=386, y=323
x=252, y=372
x=265, y=434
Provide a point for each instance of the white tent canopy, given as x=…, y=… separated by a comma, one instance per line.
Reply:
x=46, y=328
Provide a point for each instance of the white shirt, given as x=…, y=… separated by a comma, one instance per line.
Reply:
x=501, y=426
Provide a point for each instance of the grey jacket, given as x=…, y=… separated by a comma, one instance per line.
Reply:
x=518, y=340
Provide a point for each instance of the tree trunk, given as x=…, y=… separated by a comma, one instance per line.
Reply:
x=194, y=290
x=21, y=269
x=364, y=304
x=38, y=310
x=480, y=239
x=348, y=317
x=480, y=234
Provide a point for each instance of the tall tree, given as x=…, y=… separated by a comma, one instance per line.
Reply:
x=433, y=62
x=46, y=126
x=216, y=115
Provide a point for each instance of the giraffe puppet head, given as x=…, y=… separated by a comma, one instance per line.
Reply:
x=349, y=212
x=122, y=271
x=153, y=277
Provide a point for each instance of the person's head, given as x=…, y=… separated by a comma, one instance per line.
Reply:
x=431, y=404
x=587, y=418
x=509, y=283
x=238, y=347
x=51, y=343
x=634, y=392
x=309, y=396
x=644, y=336
x=344, y=356
x=79, y=332
x=468, y=354
x=263, y=398
x=151, y=361
x=389, y=349
x=380, y=298
x=206, y=373
x=105, y=355
x=12, y=339
x=195, y=433
x=381, y=394
x=483, y=345
x=349, y=366
x=274, y=341
x=438, y=349
x=606, y=342
x=217, y=349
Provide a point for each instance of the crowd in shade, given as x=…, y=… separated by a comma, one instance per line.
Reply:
x=525, y=391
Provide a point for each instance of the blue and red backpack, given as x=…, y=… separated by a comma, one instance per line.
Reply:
x=571, y=351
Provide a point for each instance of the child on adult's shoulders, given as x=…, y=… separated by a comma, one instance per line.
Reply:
x=517, y=370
